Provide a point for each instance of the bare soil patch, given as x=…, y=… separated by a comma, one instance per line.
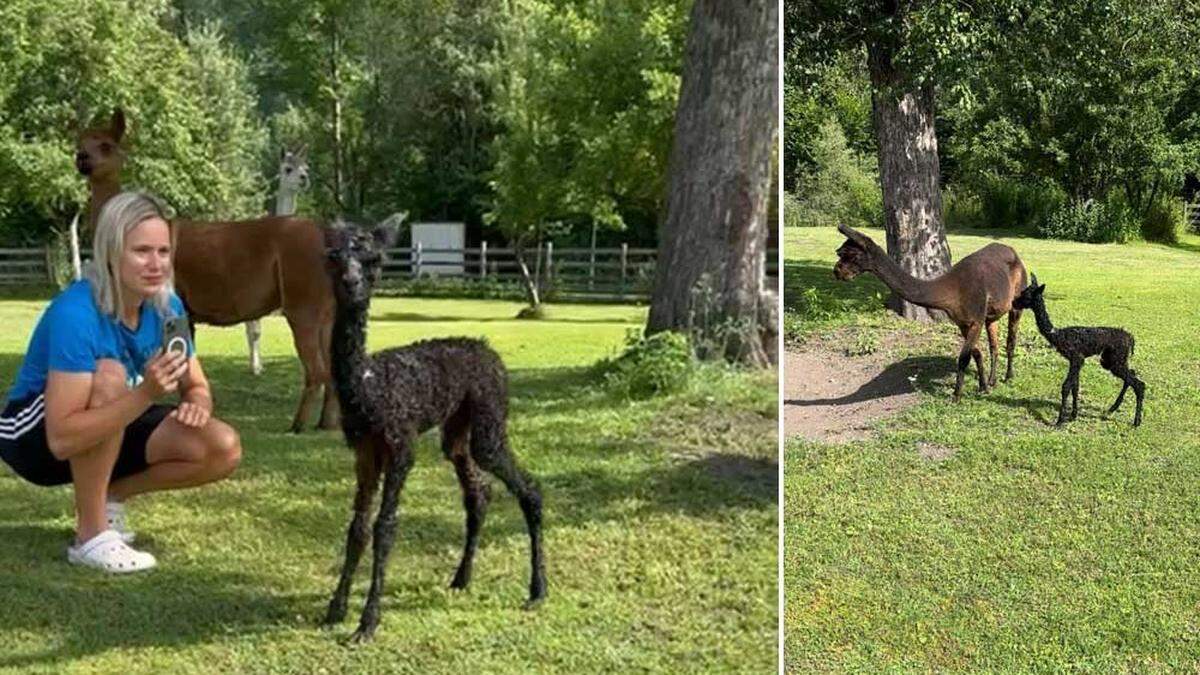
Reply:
x=934, y=452
x=834, y=398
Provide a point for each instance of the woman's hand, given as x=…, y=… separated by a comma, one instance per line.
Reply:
x=191, y=414
x=162, y=374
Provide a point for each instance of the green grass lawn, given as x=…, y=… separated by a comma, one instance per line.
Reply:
x=1031, y=548
x=660, y=522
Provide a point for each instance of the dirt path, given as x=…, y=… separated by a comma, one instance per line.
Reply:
x=834, y=398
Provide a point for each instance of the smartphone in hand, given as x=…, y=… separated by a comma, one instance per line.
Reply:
x=176, y=334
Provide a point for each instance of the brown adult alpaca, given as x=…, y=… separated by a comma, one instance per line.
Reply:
x=974, y=294
x=230, y=272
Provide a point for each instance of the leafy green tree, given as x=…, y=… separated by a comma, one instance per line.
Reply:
x=585, y=121
x=915, y=52
x=193, y=137
x=1096, y=96
x=812, y=95
x=842, y=187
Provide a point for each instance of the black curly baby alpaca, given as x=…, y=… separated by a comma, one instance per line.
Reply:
x=1114, y=346
x=390, y=397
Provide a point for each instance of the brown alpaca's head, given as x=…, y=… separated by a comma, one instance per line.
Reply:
x=854, y=255
x=98, y=152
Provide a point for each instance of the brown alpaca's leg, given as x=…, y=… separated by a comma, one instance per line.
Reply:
x=307, y=338
x=489, y=447
x=367, y=468
x=970, y=336
x=399, y=461
x=1014, y=318
x=993, y=330
x=455, y=437
x=331, y=411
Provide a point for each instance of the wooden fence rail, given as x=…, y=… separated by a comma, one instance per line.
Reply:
x=1191, y=216
x=622, y=273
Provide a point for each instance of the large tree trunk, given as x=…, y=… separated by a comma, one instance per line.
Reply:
x=909, y=175
x=713, y=246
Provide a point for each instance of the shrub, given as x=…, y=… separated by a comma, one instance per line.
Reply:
x=842, y=188
x=1011, y=203
x=650, y=366
x=1163, y=221
x=961, y=209
x=1092, y=221
x=792, y=211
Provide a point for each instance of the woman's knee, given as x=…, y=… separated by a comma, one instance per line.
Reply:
x=108, y=382
x=224, y=446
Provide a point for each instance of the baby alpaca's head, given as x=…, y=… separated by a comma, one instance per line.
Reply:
x=354, y=257
x=1031, y=296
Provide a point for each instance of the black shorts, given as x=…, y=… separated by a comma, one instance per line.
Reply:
x=23, y=443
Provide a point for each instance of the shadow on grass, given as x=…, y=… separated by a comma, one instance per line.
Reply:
x=891, y=381
x=717, y=482
x=934, y=376
x=432, y=318
x=164, y=608
x=699, y=486
x=1184, y=246
x=34, y=292
x=9, y=365
x=1042, y=409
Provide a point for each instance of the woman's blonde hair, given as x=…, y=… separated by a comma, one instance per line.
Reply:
x=119, y=215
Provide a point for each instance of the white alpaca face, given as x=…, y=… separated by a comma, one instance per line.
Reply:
x=293, y=172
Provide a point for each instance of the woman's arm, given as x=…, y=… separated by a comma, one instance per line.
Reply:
x=72, y=427
x=196, y=403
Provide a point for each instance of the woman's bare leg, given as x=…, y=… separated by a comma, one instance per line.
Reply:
x=181, y=456
x=91, y=469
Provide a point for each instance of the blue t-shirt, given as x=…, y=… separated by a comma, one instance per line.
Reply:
x=72, y=334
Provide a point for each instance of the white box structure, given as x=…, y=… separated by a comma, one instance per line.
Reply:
x=441, y=247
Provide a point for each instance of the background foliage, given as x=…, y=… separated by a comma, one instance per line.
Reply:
x=1049, y=117
x=542, y=116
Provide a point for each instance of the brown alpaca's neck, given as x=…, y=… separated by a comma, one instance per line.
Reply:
x=926, y=293
x=102, y=191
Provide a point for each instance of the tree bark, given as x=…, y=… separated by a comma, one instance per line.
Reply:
x=531, y=287
x=335, y=55
x=909, y=176
x=712, y=250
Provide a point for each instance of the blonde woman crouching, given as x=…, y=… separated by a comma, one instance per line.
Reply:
x=84, y=408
